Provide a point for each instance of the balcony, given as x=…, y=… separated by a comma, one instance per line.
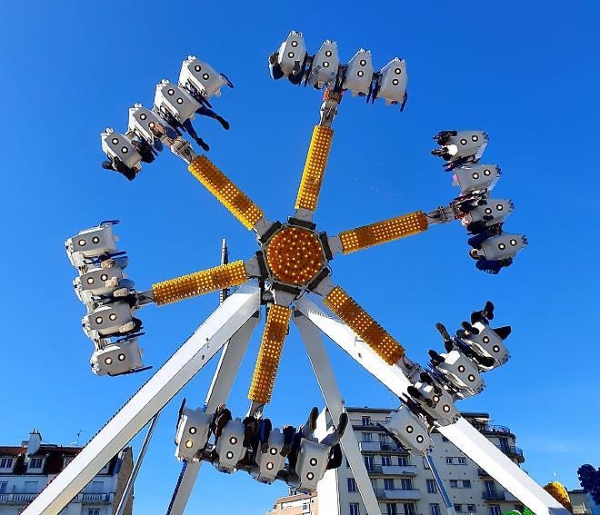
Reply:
x=18, y=498
x=366, y=446
x=413, y=494
x=495, y=495
x=399, y=470
x=392, y=447
x=94, y=498
x=512, y=452
x=493, y=430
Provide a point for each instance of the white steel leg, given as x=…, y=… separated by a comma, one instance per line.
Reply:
x=148, y=401
x=333, y=399
x=219, y=390
x=461, y=434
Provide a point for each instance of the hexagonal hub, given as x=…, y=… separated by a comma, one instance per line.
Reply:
x=294, y=255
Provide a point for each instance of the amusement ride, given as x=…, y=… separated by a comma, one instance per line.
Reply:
x=288, y=280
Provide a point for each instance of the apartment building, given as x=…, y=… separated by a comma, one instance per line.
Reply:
x=404, y=484
x=298, y=504
x=27, y=468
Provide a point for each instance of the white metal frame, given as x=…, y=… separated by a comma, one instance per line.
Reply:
x=219, y=391
x=185, y=363
x=462, y=434
x=231, y=325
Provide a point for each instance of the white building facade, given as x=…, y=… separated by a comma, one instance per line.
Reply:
x=26, y=469
x=404, y=484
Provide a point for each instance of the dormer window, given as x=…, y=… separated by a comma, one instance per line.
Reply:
x=6, y=464
x=35, y=463
x=67, y=460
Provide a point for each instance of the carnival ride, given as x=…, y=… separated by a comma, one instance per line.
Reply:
x=291, y=267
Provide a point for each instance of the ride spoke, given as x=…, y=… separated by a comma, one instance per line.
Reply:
x=383, y=232
x=314, y=168
x=199, y=283
x=355, y=317
x=269, y=355
x=234, y=199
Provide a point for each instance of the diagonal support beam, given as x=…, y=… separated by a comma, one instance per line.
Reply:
x=382, y=232
x=208, y=339
x=219, y=391
x=461, y=434
x=234, y=199
x=199, y=283
x=333, y=399
x=314, y=169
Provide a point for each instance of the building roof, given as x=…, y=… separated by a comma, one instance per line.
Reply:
x=54, y=458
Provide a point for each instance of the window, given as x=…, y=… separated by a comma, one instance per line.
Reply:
x=351, y=484
x=461, y=460
x=347, y=463
x=403, y=461
x=444, y=439
x=36, y=463
x=406, y=484
x=3, y=487
x=385, y=439
x=434, y=509
x=386, y=461
x=354, y=508
x=391, y=509
x=409, y=508
x=458, y=508
x=432, y=488
x=495, y=509
x=366, y=421
x=471, y=508
x=369, y=463
x=93, y=511
x=67, y=460
x=490, y=487
x=367, y=437
x=388, y=484
x=453, y=483
x=466, y=483
x=6, y=463
x=449, y=461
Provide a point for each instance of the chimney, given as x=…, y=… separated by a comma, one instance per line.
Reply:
x=35, y=439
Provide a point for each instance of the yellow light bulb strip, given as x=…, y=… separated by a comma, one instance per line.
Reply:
x=198, y=283
x=226, y=192
x=267, y=363
x=314, y=168
x=363, y=325
x=382, y=232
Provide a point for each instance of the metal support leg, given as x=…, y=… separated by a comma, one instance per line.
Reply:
x=148, y=401
x=440, y=484
x=219, y=390
x=136, y=468
x=462, y=434
x=333, y=399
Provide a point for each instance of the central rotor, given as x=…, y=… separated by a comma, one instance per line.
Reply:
x=294, y=255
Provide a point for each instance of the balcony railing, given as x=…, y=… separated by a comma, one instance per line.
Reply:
x=369, y=446
x=512, y=452
x=412, y=494
x=18, y=497
x=94, y=498
x=494, y=495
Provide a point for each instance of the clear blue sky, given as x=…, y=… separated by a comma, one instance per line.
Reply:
x=526, y=72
